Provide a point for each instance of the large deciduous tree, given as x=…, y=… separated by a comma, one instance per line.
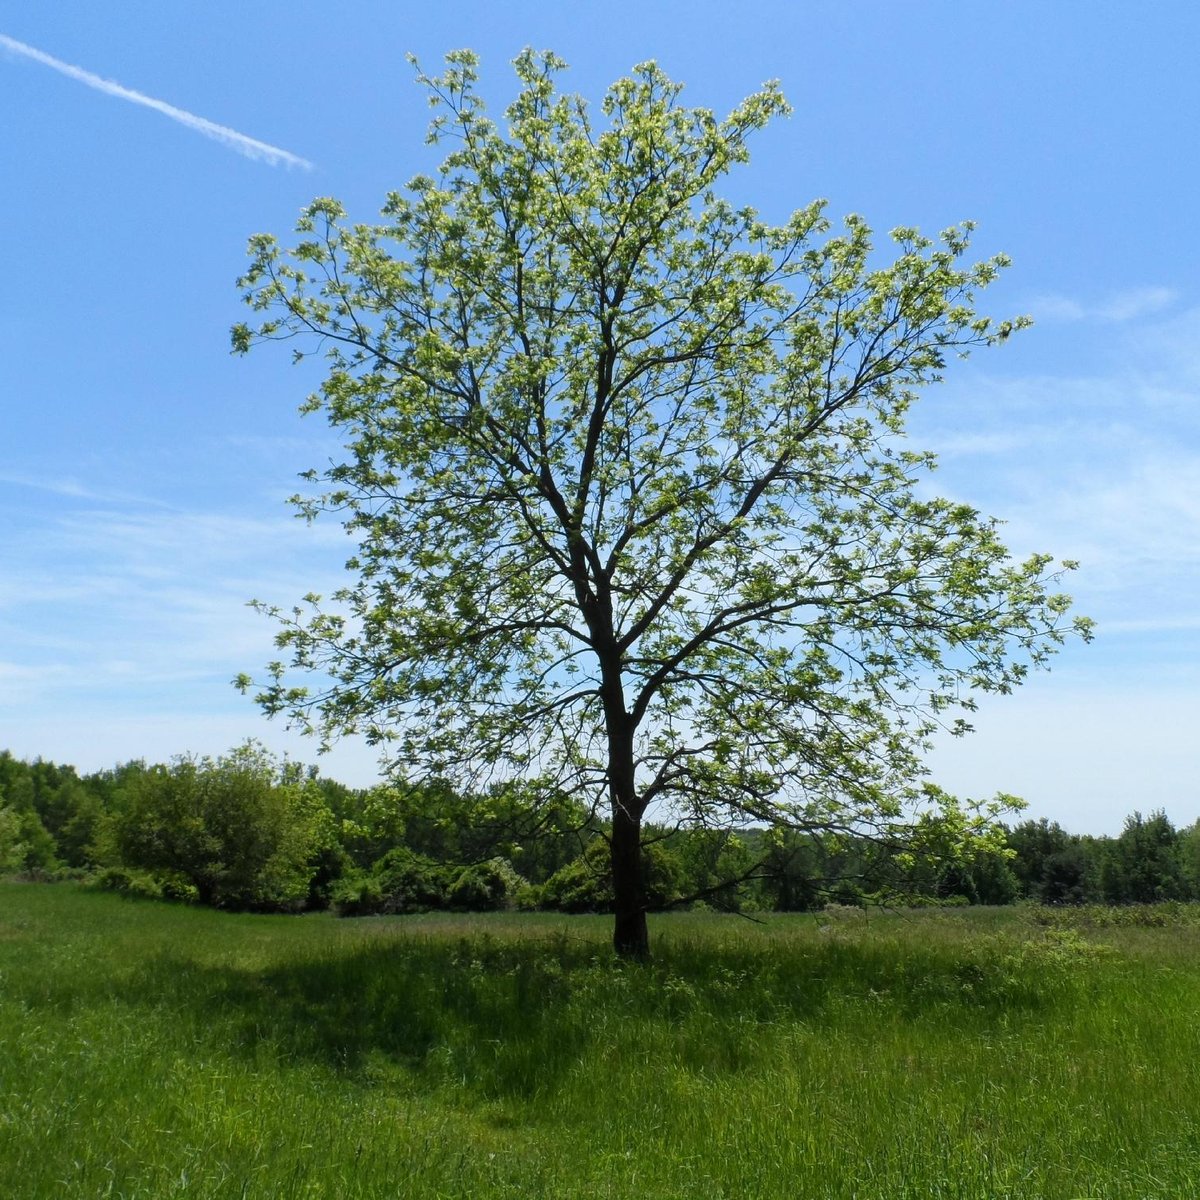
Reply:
x=625, y=468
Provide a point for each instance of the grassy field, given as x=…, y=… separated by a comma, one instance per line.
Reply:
x=156, y=1051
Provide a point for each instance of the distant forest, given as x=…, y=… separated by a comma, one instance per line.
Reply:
x=246, y=831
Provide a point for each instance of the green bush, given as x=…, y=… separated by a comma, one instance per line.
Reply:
x=12, y=848
x=403, y=881
x=241, y=831
x=126, y=881
x=357, y=896
x=410, y=882
x=330, y=864
x=176, y=886
x=528, y=897
x=25, y=846
x=585, y=885
x=484, y=887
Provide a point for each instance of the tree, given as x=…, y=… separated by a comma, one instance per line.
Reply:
x=1042, y=859
x=12, y=848
x=25, y=843
x=1189, y=857
x=1147, y=860
x=1065, y=874
x=240, y=828
x=624, y=466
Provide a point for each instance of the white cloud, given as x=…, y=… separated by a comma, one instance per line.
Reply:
x=1166, y=355
x=1103, y=468
x=73, y=489
x=1127, y=305
x=239, y=142
x=1179, y=624
x=121, y=630
x=957, y=444
x=1055, y=308
x=106, y=602
x=1137, y=302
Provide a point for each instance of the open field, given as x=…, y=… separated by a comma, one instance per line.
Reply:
x=156, y=1051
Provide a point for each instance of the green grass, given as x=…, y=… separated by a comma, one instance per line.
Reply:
x=156, y=1051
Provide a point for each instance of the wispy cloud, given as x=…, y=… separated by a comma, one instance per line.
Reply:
x=161, y=589
x=1121, y=306
x=72, y=489
x=961, y=444
x=1103, y=468
x=121, y=630
x=248, y=146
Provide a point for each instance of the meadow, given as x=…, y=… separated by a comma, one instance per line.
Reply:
x=150, y=1050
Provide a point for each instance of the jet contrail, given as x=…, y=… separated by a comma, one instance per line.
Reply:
x=250, y=147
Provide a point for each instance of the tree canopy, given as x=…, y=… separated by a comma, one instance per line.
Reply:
x=625, y=466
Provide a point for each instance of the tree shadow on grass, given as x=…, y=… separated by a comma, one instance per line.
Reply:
x=510, y=1018
x=502, y=1019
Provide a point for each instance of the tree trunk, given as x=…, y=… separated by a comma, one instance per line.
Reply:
x=631, y=938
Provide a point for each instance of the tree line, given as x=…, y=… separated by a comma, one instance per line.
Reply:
x=248, y=831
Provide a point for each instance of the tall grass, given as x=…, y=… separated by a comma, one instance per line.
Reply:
x=151, y=1051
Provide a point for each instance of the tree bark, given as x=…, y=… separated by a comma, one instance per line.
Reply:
x=631, y=938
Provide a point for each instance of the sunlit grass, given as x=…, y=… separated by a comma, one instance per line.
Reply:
x=153, y=1051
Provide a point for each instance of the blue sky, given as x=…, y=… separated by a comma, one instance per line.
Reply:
x=143, y=470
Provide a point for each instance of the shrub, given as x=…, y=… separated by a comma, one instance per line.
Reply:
x=357, y=896
x=527, y=897
x=126, y=881
x=177, y=887
x=410, y=882
x=403, y=881
x=585, y=885
x=240, y=830
x=484, y=887
x=24, y=843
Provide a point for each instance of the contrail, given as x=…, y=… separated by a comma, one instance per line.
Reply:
x=250, y=147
